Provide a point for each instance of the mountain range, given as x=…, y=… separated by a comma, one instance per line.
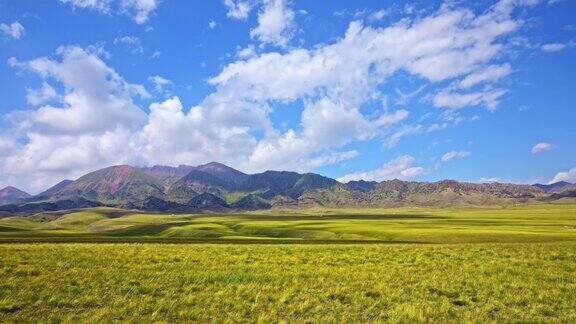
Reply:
x=217, y=187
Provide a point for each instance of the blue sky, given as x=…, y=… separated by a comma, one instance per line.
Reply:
x=349, y=89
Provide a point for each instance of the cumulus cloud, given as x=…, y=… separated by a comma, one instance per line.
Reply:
x=542, y=147
x=569, y=176
x=401, y=167
x=239, y=9
x=246, y=52
x=14, y=30
x=449, y=44
x=140, y=10
x=454, y=155
x=95, y=120
x=44, y=94
x=275, y=23
x=98, y=123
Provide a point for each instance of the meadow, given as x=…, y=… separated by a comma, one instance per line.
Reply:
x=481, y=282
x=503, y=264
x=515, y=223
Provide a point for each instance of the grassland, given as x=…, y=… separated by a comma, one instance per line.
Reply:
x=295, y=282
x=524, y=223
x=493, y=264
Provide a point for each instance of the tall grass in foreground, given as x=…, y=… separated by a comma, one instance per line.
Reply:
x=343, y=283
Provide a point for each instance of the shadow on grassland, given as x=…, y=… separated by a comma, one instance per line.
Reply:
x=264, y=217
x=115, y=239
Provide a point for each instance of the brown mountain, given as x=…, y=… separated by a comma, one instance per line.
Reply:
x=53, y=190
x=409, y=193
x=10, y=195
x=223, y=172
x=215, y=186
x=554, y=187
x=167, y=174
x=113, y=185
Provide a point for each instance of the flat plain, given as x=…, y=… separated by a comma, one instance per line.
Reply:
x=514, y=263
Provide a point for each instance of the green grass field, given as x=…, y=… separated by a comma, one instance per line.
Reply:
x=524, y=223
x=293, y=282
x=494, y=264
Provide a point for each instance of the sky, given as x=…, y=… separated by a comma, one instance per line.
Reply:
x=375, y=90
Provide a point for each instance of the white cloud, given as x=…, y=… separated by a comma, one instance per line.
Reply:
x=325, y=124
x=490, y=180
x=221, y=133
x=454, y=155
x=569, y=176
x=404, y=98
x=212, y=24
x=446, y=45
x=490, y=73
x=447, y=121
x=406, y=130
x=457, y=100
x=14, y=30
x=332, y=158
x=246, y=52
x=36, y=97
x=133, y=43
x=6, y=144
x=275, y=23
x=90, y=129
x=98, y=123
x=542, y=147
x=398, y=168
x=553, y=47
x=159, y=82
x=378, y=15
x=238, y=9
x=140, y=10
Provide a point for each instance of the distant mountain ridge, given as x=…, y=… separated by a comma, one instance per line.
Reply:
x=554, y=187
x=217, y=187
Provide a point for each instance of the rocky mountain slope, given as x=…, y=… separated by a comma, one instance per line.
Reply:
x=113, y=185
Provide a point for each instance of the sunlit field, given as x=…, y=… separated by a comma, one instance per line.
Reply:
x=400, y=265
x=523, y=223
x=294, y=282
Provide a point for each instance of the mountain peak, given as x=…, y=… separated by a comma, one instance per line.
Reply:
x=167, y=174
x=118, y=180
x=223, y=172
x=11, y=194
x=553, y=187
x=10, y=189
x=214, y=165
